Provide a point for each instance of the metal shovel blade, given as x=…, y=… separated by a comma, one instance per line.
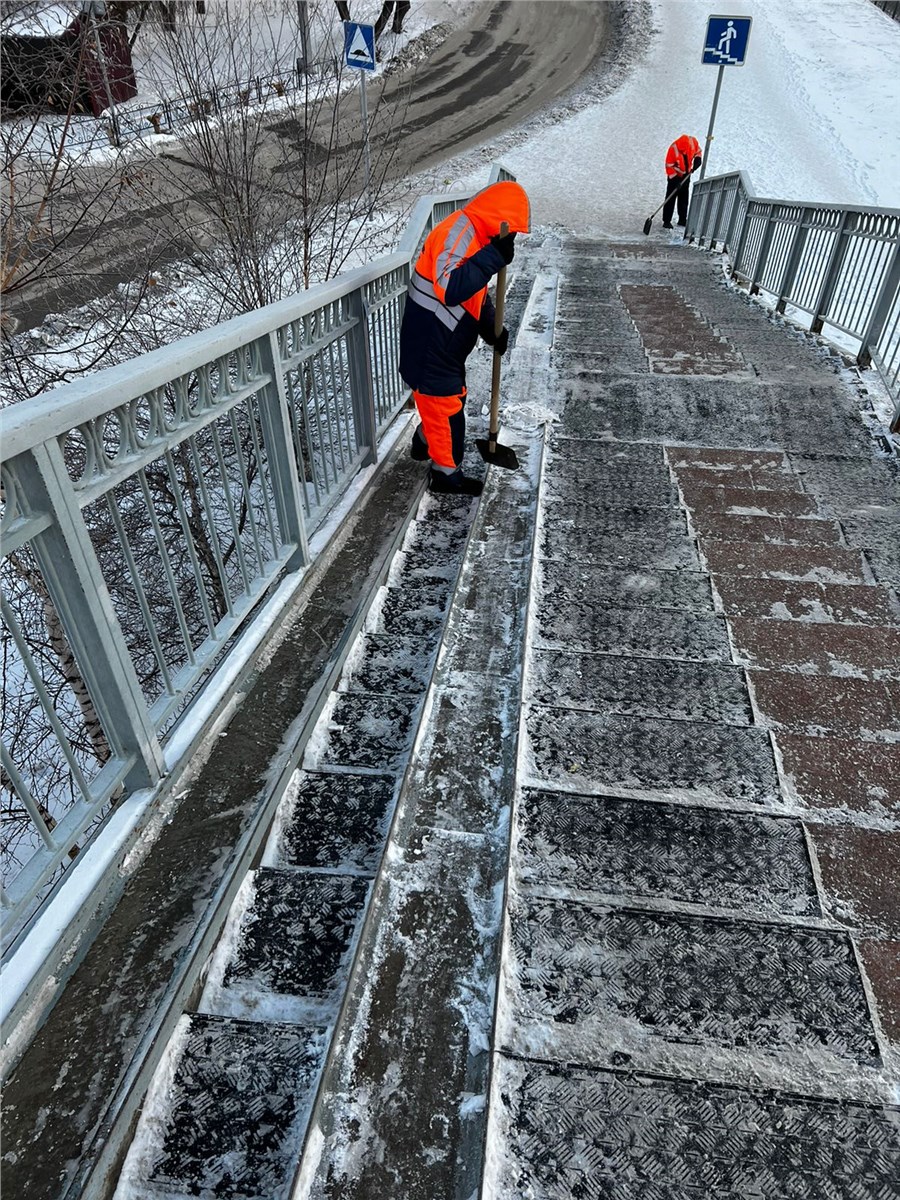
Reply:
x=500, y=456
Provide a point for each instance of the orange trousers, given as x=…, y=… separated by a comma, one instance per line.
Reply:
x=444, y=427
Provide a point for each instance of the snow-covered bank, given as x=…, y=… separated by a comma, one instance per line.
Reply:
x=811, y=115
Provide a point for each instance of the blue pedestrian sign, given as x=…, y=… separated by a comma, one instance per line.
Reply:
x=359, y=45
x=726, y=41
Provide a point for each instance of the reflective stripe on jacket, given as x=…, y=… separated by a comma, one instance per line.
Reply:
x=681, y=155
x=447, y=303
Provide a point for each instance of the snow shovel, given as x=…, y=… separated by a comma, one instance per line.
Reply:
x=649, y=220
x=489, y=448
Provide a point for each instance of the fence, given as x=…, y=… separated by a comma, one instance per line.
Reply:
x=146, y=510
x=839, y=266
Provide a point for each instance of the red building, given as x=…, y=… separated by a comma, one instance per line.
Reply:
x=53, y=54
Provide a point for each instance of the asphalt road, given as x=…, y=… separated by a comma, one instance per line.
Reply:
x=506, y=63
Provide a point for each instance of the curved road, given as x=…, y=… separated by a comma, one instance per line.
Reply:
x=504, y=64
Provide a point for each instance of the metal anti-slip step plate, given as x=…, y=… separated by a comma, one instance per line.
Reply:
x=295, y=936
x=562, y=1134
x=582, y=586
x=645, y=687
x=337, y=821
x=705, y=856
x=641, y=632
x=370, y=731
x=583, y=976
x=579, y=751
x=239, y=1104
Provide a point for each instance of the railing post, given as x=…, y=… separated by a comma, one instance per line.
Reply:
x=361, y=384
x=835, y=262
x=793, y=262
x=732, y=217
x=742, y=236
x=75, y=584
x=766, y=242
x=278, y=435
x=887, y=295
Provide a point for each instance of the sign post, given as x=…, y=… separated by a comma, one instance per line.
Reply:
x=359, y=52
x=725, y=46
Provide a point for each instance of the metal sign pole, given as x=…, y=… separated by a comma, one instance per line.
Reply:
x=712, y=121
x=365, y=121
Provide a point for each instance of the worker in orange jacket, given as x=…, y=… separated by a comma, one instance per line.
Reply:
x=682, y=159
x=447, y=307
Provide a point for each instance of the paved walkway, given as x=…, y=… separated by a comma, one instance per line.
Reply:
x=700, y=988
x=587, y=887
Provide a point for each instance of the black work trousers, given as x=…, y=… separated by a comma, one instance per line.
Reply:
x=671, y=198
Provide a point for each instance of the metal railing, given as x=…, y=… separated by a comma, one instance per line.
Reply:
x=147, y=509
x=835, y=265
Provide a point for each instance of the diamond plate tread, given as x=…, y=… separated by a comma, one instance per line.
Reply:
x=370, y=731
x=648, y=687
x=845, y=487
x=725, y=461
x=734, y=527
x=387, y=664
x=584, y=751
x=626, y=521
x=645, y=458
x=561, y=1133
x=850, y=707
x=821, y=564
x=863, y=651
x=860, y=869
x=879, y=536
x=722, y=498
x=414, y=607
x=639, y=632
x=714, y=981
x=642, y=848
x=622, y=356
x=337, y=821
x=666, y=409
x=566, y=535
x=239, y=1103
x=841, y=773
x=597, y=487
x=563, y=583
x=295, y=936
x=747, y=479
x=804, y=600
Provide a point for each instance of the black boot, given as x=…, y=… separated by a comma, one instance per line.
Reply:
x=455, y=484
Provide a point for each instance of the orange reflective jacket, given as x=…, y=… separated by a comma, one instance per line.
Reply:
x=681, y=155
x=469, y=230
x=447, y=304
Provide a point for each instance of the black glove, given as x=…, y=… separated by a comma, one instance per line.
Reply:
x=506, y=246
x=696, y=163
x=501, y=341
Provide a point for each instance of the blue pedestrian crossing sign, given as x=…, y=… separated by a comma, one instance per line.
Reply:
x=726, y=41
x=359, y=45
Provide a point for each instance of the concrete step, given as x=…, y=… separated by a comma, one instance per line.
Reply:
x=806, y=600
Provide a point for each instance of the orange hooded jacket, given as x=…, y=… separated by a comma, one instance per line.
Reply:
x=447, y=303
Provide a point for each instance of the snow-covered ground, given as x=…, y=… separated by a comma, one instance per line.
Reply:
x=811, y=115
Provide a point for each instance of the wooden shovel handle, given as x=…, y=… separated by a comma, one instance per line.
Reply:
x=499, y=305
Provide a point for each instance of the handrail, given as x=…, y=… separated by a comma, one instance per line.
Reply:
x=147, y=511
x=837, y=264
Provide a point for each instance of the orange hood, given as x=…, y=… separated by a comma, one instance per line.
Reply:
x=504, y=201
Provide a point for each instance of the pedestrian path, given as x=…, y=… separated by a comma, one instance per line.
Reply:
x=699, y=987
